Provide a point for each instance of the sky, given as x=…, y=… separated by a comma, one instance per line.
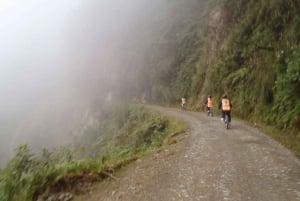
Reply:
x=47, y=46
x=57, y=55
x=33, y=58
x=32, y=47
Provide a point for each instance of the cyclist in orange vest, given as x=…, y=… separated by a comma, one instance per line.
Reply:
x=225, y=106
x=209, y=105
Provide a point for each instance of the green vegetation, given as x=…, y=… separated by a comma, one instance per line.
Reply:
x=127, y=130
x=120, y=137
x=259, y=66
x=248, y=49
x=262, y=61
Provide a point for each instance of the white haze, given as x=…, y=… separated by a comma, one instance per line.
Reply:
x=59, y=56
x=33, y=54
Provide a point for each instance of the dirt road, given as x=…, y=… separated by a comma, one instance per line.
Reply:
x=209, y=164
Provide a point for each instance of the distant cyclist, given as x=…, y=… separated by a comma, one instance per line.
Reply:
x=209, y=105
x=225, y=106
x=183, y=103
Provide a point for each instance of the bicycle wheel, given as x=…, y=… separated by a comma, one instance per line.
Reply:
x=226, y=121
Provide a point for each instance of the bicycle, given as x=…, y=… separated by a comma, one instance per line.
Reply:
x=209, y=112
x=183, y=107
x=226, y=121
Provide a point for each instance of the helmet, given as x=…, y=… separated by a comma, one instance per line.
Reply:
x=224, y=96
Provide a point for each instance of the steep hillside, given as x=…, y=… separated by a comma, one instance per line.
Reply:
x=248, y=49
x=258, y=60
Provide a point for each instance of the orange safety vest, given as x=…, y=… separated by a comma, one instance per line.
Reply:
x=225, y=104
x=210, y=102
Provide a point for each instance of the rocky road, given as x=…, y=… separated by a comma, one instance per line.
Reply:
x=209, y=163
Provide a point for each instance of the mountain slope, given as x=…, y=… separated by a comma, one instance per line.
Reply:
x=248, y=49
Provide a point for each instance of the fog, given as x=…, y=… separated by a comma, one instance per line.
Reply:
x=58, y=57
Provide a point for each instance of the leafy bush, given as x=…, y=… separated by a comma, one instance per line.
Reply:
x=287, y=100
x=131, y=127
x=26, y=172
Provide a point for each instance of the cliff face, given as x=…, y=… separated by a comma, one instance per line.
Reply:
x=218, y=26
x=251, y=52
x=248, y=49
x=217, y=31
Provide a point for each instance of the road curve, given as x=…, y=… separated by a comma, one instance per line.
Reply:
x=210, y=164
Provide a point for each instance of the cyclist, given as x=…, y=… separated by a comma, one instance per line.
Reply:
x=225, y=106
x=183, y=103
x=209, y=105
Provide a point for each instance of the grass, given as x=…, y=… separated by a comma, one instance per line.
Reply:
x=288, y=138
x=29, y=175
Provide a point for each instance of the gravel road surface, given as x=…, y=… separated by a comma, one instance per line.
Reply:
x=209, y=163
